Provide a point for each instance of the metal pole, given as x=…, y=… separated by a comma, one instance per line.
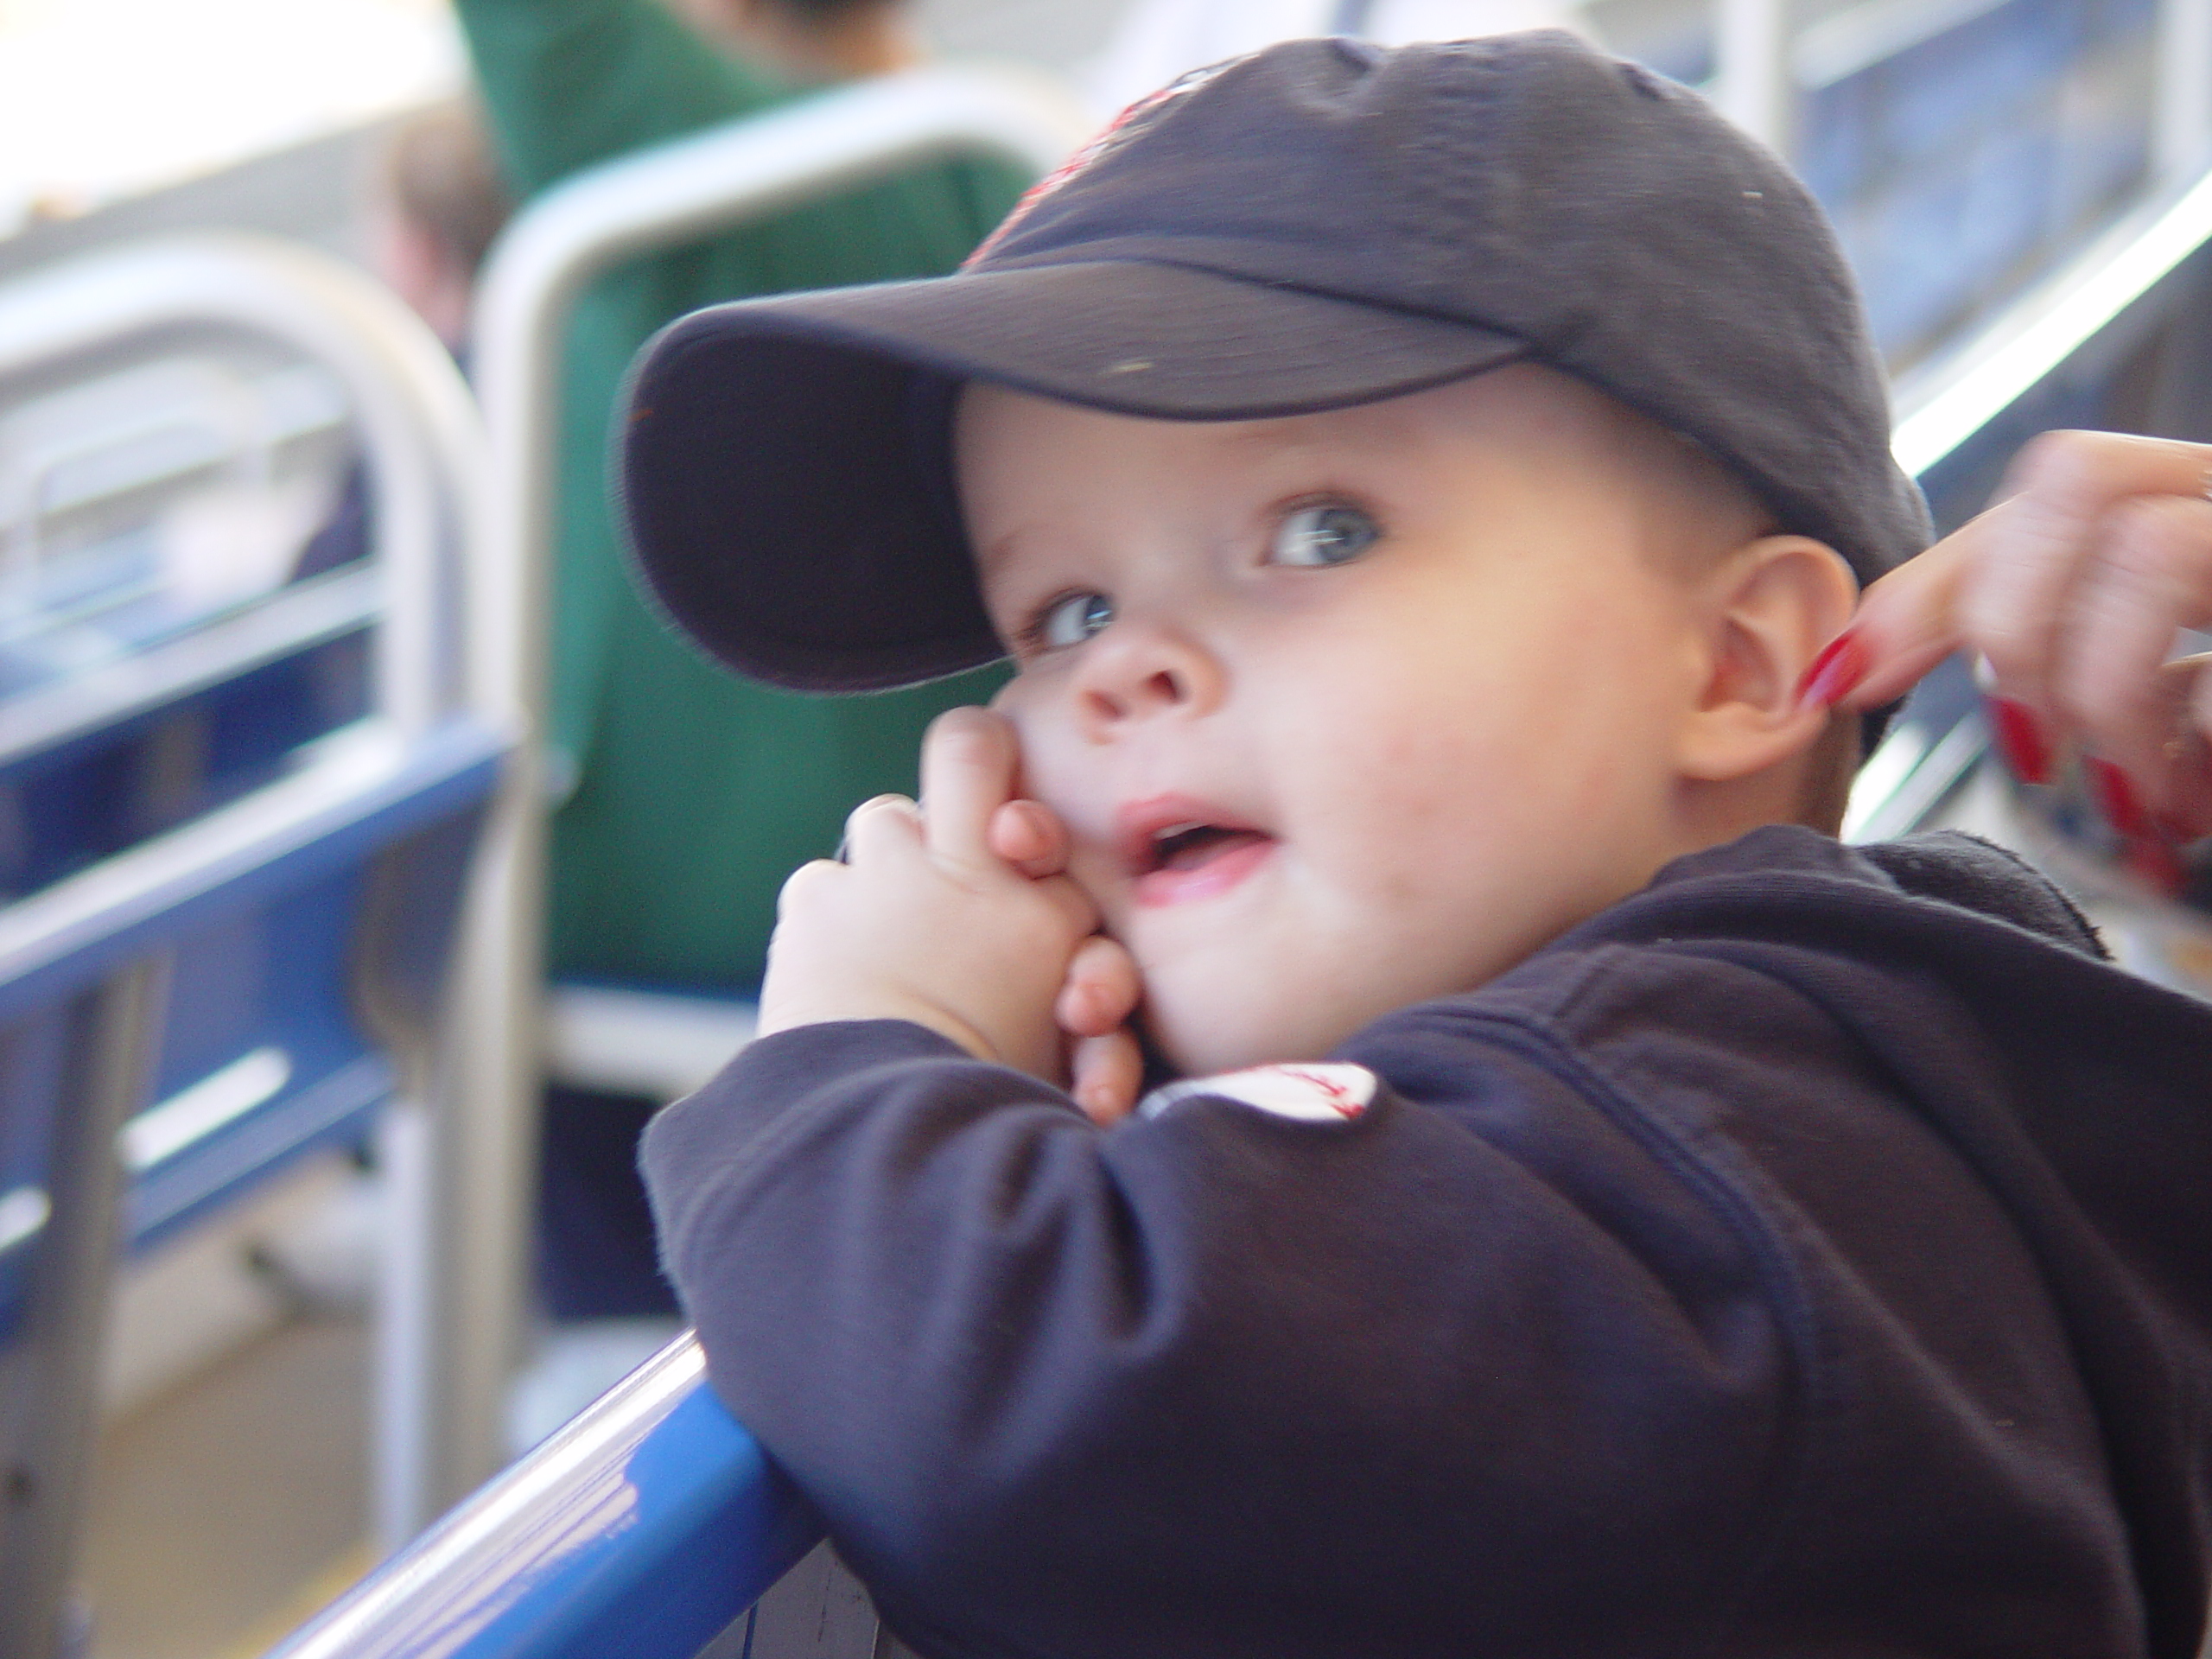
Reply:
x=2183, y=56
x=52, y=1382
x=1753, y=82
x=425, y=444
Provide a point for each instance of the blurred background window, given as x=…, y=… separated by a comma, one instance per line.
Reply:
x=105, y=98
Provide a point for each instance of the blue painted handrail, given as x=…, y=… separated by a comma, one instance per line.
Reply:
x=641, y=1531
x=368, y=791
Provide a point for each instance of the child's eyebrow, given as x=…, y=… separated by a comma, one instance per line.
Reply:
x=993, y=556
x=1289, y=433
x=1296, y=437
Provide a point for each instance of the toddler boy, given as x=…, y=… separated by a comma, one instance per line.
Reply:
x=1592, y=1212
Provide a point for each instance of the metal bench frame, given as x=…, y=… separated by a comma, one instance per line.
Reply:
x=97, y=945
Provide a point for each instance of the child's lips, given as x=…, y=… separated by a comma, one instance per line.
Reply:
x=1212, y=870
x=1177, y=849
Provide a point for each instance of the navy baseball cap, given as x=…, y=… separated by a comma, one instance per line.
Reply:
x=1322, y=223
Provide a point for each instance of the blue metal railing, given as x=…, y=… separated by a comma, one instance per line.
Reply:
x=641, y=1531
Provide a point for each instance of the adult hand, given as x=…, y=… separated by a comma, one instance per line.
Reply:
x=2072, y=588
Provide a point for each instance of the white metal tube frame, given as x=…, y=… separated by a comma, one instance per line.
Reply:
x=420, y=431
x=413, y=410
x=673, y=194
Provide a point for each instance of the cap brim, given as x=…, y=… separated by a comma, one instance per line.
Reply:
x=790, y=498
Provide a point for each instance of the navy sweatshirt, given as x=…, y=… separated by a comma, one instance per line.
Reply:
x=1809, y=1256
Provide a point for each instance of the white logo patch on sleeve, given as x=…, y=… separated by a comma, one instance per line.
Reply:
x=1320, y=1093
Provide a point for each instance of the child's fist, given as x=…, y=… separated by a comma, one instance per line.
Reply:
x=923, y=921
x=1105, y=1066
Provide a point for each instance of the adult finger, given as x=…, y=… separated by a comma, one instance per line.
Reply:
x=1029, y=836
x=2190, y=795
x=2016, y=604
x=968, y=758
x=1101, y=990
x=2000, y=585
x=2151, y=577
x=878, y=825
x=1104, y=1075
x=1906, y=623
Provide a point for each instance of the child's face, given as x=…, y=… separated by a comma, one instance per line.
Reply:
x=1343, y=711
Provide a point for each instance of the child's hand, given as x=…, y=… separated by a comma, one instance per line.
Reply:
x=1105, y=1066
x=926, y=922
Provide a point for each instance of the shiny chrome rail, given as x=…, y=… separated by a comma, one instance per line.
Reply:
x=643, y=1528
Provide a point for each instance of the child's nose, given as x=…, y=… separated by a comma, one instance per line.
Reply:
x=1136, y=670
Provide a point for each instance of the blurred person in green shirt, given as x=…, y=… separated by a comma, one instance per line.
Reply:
x=685, y=796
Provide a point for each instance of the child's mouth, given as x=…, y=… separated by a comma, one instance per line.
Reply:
x=1193, y=846
x=1176, y=857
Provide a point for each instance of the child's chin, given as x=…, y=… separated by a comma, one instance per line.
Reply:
x=1201, y=1043
x=1172, y=1052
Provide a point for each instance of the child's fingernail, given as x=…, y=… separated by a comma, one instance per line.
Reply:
x=2018, y=736
x=1086, y=999
x=1835, y=673
x=2117, y=799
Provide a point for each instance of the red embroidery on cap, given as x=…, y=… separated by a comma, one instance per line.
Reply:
x=1115, y=133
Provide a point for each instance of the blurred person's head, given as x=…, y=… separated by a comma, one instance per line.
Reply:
x=438, y=204
x=812, y=40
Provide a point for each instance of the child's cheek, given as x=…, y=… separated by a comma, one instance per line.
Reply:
x=1044, y=772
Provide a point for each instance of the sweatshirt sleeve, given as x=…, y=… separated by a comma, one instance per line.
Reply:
x=1222, y=1380
x=569, y=83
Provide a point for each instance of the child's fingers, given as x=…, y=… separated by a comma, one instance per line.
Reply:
x=1101, y=990
x=1029, y=836
x=1075, y=913
x=803, y=884
x=968, y=766
x=878, y=825
x=1105, y=1074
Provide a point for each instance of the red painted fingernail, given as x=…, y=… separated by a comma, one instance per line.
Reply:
x=2118, y=801
x=2018, y=736
x=2156, y=862
x=1835, y=673
x=2177, y=830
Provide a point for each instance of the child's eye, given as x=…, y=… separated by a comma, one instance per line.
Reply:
x=1070, y=619
x=1325, y=534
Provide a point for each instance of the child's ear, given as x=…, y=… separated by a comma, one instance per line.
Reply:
x=1772, y=604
